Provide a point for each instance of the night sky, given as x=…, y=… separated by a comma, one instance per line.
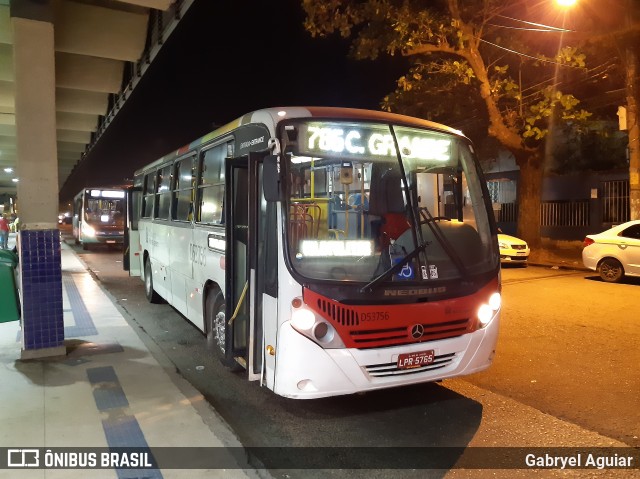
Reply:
x=226, y=59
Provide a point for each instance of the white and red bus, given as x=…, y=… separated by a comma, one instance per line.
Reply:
x=325, y=251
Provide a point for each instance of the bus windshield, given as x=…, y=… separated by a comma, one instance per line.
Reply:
x=104, y=207
x=374, y=203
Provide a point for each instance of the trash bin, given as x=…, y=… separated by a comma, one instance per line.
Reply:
x=9, y=309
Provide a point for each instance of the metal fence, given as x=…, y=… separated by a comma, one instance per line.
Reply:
x=564, y=213
x=508, y=213
x=568, y=218
x=615, y=201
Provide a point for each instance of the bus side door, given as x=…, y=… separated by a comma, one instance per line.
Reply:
x=131, y=260
x=246, y=227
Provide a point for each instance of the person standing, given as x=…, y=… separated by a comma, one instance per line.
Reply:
x=4, y=232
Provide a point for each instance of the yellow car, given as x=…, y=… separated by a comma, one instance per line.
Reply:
x=513, y=250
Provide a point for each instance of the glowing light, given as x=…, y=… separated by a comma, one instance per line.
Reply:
x=88, y=230
x=485, y=313
x=107, y=194
x=303, y=319
x=356, y=141
x=209, y=207
x=301, y=159
x=495, y=301
x=329, y=248
x=217, y=243
x=566, y=3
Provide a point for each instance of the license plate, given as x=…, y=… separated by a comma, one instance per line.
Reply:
x=521, y=252
x=111, y=241
x=415, y=360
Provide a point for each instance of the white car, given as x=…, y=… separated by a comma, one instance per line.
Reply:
x=513, y=250
x=614, y=253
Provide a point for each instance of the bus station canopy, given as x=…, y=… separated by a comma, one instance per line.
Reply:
x=102, y=48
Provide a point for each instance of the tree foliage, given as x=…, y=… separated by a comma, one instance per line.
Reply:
x=475, y=65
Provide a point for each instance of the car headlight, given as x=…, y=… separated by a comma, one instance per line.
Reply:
x=488, y=310
x=502, y=245
x=317, y=329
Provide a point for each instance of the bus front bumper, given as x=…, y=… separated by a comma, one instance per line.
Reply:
x=307, y=371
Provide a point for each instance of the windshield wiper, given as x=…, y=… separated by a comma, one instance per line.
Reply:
x=395, y=268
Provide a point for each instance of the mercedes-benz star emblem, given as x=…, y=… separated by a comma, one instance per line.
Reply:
x=417, y=331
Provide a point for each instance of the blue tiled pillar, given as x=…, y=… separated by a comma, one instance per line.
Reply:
x=41, y=286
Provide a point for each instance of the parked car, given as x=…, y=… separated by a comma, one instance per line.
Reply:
x=513, y=250
x=614, y=253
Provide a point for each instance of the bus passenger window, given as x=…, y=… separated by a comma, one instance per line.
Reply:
x=163, y=197
x=183, y=192
x=211, y=186
x=149, y=195
x=211, y=202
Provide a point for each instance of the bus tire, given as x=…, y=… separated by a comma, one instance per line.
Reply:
x=149, y=292
x=216, y=329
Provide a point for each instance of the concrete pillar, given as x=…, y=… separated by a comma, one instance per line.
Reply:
x=37, y=168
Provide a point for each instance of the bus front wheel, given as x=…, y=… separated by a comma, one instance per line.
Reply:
x=152, y=296
x=216, y=325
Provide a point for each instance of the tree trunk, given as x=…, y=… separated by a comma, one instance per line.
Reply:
x=529, y=197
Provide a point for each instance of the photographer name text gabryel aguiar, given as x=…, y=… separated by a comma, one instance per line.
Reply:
x=580, y=461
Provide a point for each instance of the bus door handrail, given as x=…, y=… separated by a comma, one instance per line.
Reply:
x=237, y=310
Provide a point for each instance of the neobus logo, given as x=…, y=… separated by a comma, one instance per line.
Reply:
x=414, y=292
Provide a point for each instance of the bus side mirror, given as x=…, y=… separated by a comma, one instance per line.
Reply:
x=271, y=178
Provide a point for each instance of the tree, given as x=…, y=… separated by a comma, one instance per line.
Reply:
x=598, y=147
x=471, y=61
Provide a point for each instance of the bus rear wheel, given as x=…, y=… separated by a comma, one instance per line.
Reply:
x=216, y=324
x=150, y=293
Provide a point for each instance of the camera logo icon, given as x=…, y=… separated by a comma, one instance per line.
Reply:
x=23, y=458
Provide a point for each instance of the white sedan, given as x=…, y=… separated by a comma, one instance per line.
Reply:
x=513, y=250
x=615, y=252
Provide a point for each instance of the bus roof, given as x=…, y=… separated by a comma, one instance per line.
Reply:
x=272, y=116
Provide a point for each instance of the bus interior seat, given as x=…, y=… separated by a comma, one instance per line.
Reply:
x=389, y=218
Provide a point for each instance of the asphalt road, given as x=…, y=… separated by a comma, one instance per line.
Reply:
x=569, y=347
x=564, y=376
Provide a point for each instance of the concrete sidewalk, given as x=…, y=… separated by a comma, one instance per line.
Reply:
x=110, y=390
x=558, y=254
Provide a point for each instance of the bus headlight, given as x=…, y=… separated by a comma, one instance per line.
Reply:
x=88, y=230
x=488, y=310
x=317, y=329
x=302, y=319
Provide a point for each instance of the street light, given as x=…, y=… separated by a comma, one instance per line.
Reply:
x=566, y=3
